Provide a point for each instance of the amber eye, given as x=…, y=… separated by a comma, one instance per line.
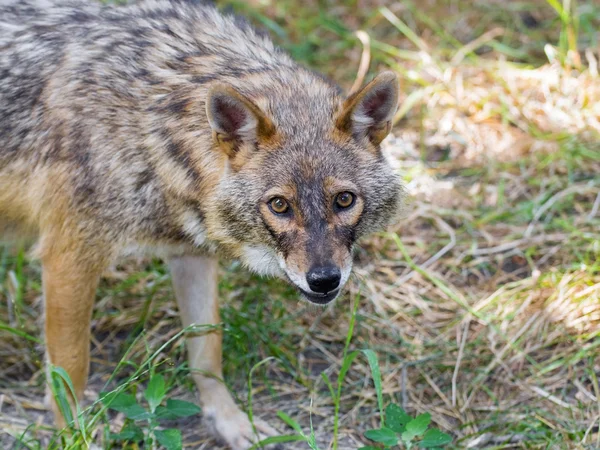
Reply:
x=279, y=205
x=344, y=200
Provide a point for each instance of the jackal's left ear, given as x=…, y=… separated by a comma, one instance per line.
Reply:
x=369, y=112
x=235, y=119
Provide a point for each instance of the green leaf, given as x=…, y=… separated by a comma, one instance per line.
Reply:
x=155, y=392
x=59, y=381
x=435, y=438
x=117, y=400
x=181, y=408
x=135, y=412
x=125, y=403
x=291, y=422
x=131, y=432
x=396, y=418
x=374, y=364
x=369, y=447
x=277, y=440
x=384, y=436
x=329, y=385
x=162, y=413
x=416, y=427
x=169, y=439
x=60, y=395
x=346, y=366
x=419, y=424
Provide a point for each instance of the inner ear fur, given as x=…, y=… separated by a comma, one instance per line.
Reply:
x=368, y=113
x=235, y=119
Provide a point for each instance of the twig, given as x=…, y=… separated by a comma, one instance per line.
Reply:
x=575, y=188
x=475, y=44
x=443, y=224
x=584, y=391
x=458, y=360
x=595, y=208
x=590, y=428
x=404, y=29
x=404, y=396
x=519, y=242
x=548, y=396
x=592, y=62
x=498, y=358
x=365, y=61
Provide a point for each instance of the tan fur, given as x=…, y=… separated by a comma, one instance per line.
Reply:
x=69, y=278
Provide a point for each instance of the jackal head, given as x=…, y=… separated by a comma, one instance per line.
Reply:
x=305, y=178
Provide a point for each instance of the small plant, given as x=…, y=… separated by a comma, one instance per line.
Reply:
x=396, y=425
x=142, y=423
x=151, y=415
x=399, y=427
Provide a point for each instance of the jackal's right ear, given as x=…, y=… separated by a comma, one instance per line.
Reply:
x=235, y=119
x=368, y=113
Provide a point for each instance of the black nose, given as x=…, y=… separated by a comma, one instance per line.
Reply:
x=323, y=279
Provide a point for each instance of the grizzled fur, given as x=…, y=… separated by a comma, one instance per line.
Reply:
x=167, y=127
x=108, y=105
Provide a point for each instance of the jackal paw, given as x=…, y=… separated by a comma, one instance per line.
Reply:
x=234, y=427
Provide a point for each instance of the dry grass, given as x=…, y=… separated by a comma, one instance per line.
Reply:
x=483, y=303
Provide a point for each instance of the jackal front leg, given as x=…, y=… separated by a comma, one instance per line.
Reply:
x=69, y=279
x=195, y=283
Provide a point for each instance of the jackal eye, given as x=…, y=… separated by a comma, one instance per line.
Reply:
x=278, y=205
x=344, y=200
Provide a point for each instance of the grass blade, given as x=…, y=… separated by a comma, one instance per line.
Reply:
x=374, y=365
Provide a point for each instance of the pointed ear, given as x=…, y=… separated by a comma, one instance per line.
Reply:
x=369, y=112
x=235, y=119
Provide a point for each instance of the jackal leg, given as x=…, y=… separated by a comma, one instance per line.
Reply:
x=69, y=283
x=195, y=283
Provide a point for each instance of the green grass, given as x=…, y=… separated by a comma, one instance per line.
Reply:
x=481, y=304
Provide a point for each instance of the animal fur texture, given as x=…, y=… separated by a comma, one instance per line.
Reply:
x=168, y=128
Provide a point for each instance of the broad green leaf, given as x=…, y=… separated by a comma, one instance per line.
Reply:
x=182, y=408
x=126, y=404
x=155, y=392
x=419, y=424
x=131, y=432
x=416, y=427
x=116, y=400
x=134, y=412
x=396, y=418
x=384, y=436
x=162, y=413
x=435, y=438
x=374, y=364
x=369, y=447
x=169, y=439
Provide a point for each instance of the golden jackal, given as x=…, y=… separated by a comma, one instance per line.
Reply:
x=169, y=128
